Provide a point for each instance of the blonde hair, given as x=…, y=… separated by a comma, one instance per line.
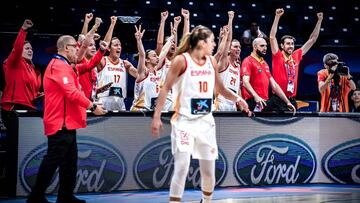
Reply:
x=190, y=40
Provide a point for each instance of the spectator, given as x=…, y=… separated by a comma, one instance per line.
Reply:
x=334, y=85
x=355, y=98
x=254, y=32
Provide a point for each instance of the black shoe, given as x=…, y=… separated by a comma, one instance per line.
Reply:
x=33, y=199
x=72, y=199
x=201, y=201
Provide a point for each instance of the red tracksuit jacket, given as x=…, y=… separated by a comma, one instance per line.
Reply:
x=22, y=81
x=65, y=103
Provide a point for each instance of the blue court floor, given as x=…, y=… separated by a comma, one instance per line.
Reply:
x=310, y=193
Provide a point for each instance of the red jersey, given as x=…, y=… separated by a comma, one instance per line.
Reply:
x=325, y=95
x=65, y=104
x=260, y=75
x=88, y=73
x=22, y=81
x=286, y=71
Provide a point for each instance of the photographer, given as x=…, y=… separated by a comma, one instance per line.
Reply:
x=334, y=83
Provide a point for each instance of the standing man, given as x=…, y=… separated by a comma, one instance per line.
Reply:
x=285, y=62
x=257, y=78
x=64, y=112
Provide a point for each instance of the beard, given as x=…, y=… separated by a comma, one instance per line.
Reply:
x=259, y=53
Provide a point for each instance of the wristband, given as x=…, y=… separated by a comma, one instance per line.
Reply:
x=350, y=78
x=92, y=109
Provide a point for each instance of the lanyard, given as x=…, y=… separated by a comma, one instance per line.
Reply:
x=57, y=56
x=291, y=71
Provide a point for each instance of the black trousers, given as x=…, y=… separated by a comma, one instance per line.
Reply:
x=9, y=153
x=62, y=153
x=274, y=104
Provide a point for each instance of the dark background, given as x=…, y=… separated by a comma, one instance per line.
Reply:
x=340, y=27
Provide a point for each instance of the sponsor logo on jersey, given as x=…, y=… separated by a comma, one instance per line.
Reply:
x=101, y=167
x=154, y=165
x=342, y=163
x=275, y=159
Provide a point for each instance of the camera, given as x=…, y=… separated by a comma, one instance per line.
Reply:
x=341, y=69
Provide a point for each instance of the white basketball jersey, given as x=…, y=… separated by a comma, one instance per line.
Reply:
x=231, y=79
x=163, y=73
x=115, y=73
x=147, y=91
x=193, y=92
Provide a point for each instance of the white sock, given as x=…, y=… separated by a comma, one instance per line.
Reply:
x=206, y=198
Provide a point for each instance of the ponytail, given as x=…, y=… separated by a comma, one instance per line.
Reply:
x=190, y=40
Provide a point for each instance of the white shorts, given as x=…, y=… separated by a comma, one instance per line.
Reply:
x=196, y=136
x=224, y=106
x=113, y=103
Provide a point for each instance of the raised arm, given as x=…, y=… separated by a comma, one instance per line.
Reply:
x=107, y=39
x=164, y=51
x=273, y=41
x=314, y=35
x=221, y=53
x=16, y=52
x=87, y=19
x=177, y=21
x=186, y=15
x=141, y=69
x=110, y=31
x=160, y=36
x=90, y=35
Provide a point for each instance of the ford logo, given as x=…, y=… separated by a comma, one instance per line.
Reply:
x=274, y=159
x=342, y=163
x=101, y=167
x=154, y=165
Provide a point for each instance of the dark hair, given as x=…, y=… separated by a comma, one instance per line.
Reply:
x=112, y=39
x=190, y=40
x=283, y=38
x=136, y=56
x=329, y=57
